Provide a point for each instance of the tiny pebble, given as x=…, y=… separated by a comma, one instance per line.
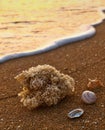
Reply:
x=18, y=126
x=95, y=55
x=1, y=119
x=102, y=105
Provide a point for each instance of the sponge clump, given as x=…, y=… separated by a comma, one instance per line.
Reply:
x=44, y=85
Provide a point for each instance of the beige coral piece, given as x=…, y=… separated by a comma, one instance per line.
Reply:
x=44, y=85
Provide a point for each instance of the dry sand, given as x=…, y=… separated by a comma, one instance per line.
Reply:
x=81, y=60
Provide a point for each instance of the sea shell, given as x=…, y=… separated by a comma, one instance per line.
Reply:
x=95, y=83
x=75, y=113
x=88, y=97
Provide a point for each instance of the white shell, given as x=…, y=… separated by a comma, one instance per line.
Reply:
x=88, y=97
x=75, y=113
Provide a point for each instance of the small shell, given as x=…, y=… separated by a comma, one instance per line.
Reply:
x=75, y=113
x=88, y=97
x=95, y=83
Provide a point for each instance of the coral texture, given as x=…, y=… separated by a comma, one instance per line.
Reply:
x=44, y=85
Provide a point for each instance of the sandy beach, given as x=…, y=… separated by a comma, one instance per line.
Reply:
x=81, y=60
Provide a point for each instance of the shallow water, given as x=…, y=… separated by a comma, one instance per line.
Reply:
x=27, y=26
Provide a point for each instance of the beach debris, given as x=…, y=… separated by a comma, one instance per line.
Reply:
x=88, y=97
x=44, y=85
x=95, y=83
x=75, y=113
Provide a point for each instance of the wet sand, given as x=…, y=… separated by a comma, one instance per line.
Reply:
x=81, y=60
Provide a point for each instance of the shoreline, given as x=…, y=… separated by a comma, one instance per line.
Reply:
x=88, y=32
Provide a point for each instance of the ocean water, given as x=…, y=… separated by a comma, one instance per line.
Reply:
x=28, y=28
